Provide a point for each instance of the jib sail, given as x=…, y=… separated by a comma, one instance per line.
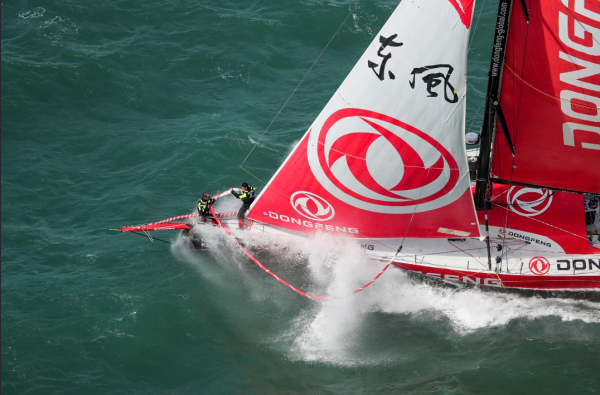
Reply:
x=386, y=156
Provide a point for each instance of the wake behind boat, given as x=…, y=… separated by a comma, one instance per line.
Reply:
x=385, y=162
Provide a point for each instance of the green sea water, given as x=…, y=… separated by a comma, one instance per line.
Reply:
x=122, y=112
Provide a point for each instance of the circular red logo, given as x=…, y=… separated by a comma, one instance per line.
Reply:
x=312, y=206
x=539, y=266
x=375, y=159
x=528, y=202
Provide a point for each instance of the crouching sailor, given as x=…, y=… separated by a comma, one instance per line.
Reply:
x=204, y=208
x=247, y=197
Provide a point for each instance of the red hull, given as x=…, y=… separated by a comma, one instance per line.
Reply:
x=503, y=280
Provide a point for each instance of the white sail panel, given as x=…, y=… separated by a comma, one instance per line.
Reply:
x=387, y=152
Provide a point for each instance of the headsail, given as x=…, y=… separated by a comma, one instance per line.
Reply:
x=387, y=153
x=550, y=97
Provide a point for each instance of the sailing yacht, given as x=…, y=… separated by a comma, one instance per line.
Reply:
x=385, y=162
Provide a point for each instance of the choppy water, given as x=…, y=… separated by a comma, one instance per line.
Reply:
x=121, y=112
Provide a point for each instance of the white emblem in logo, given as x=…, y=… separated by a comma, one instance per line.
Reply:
x=381, y=164
x=312, y=206
x=528, y=202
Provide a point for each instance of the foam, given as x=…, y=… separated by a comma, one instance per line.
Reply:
x=330, y=331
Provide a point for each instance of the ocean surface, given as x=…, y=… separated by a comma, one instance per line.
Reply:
x=121, y=112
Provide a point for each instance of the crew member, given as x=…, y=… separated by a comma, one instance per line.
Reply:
x=204, y=208
x=247, y=196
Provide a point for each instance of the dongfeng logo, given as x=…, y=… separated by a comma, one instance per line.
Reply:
x=312, y=206
x=528, y=202
x=378, y=163
x=539, y=266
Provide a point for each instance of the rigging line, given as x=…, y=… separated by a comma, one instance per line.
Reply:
x=457, y=247
x=580, y=24
x=257, y=168
x=545, y=223
x=477, y=23
x=477, y=113
x=479, y=263
x=516, y=128
x=510, y=250
x=544, y=93
x=509, y=186
x=139, y=234
x=298, y=86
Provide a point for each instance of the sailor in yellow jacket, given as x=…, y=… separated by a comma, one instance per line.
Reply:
x=247, y=197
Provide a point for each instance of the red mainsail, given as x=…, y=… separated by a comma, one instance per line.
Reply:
x=550, y=96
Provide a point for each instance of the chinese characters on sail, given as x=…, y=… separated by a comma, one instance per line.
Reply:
x=433, y=76
x=385, y=41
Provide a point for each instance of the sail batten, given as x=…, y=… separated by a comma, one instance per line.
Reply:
x=393, y=163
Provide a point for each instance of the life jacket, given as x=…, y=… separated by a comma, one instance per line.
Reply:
x=247, y=196
x=204, y=206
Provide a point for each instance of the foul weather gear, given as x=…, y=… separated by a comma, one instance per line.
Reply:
x=247, y=196
x=204, y=207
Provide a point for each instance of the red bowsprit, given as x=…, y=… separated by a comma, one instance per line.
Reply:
x=150, y=227
x=164, y=225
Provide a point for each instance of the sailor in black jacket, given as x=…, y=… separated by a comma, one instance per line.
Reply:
x=204, y=207
x=247, y=197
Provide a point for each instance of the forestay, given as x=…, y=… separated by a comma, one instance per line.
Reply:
x=386, y=156
x=550, y=96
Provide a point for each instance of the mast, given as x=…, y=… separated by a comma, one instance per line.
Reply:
x=489, y=118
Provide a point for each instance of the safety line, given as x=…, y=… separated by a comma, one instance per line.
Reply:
x=294, y=91
x=285, y=282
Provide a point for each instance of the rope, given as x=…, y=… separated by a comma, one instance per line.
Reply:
x=151, y=238
x=294, y=91
x=545, y=223
x=258, y=168
x=476, y=24
x=188, y=216
x=288, y=284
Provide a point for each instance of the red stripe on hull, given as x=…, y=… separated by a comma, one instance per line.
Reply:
x=505, y=280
